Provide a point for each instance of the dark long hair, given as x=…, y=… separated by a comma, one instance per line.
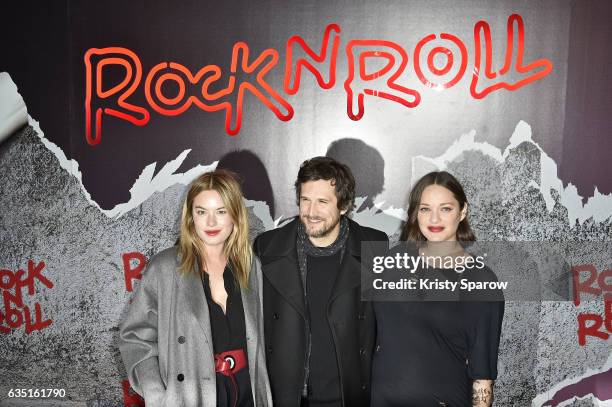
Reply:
x=411, y=231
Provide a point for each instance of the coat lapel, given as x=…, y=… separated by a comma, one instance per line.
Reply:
x=250, y=303
x=283, y=274
x=190, y=287
x=280, y=266
x=349, y=275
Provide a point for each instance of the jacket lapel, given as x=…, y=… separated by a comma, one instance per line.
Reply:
x=250, y=304
x=280, y=266
x=349, y=276
x=192, y=291
x=283, y=274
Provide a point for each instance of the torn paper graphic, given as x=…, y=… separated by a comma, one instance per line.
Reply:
x=13, y=112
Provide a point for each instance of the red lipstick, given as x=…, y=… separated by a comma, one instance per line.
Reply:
x=435, y=229
x=212, y=232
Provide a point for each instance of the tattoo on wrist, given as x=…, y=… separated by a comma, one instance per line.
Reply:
x=482, y=393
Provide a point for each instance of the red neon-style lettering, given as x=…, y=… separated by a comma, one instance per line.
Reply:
x=178, y=80
x=96, y=102
x=449, y=61
x=332, y=32
x=260, y=88
x=584, y=286
x=394, y=91
x=130, y=273
x=532, y=72
x=321, y=63
x=182, y=75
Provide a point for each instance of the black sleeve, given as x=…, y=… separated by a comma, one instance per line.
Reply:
x=256, y=246
x=484, y=339
x=377, y=235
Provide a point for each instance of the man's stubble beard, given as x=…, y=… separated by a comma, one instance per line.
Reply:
x=326, y=230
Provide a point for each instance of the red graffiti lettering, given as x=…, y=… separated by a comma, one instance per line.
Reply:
x=586, y=286
x=15, y=313
x=593, y=330
x=130, y=398
x=38, y=323
x=7, y=279
x=12, y=316
x=596, y=285
x=131, y=273
x=530, y=73
x=608, y=312
x=35, y=272
x=4, y=329
x=601, y=280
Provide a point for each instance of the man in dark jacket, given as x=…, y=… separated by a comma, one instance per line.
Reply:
x=319, y=335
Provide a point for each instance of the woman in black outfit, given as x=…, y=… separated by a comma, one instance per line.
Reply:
x=437, y=353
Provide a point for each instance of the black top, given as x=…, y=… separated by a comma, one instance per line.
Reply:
x=324, y=383
x=428, y=353
x=229, y=333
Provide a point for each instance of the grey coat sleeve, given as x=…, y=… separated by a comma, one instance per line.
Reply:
x=138, y=337
x=265, y=392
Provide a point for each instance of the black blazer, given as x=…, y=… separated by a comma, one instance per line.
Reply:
x=351, y=320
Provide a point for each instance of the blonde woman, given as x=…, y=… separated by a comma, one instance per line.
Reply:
x=193, y=334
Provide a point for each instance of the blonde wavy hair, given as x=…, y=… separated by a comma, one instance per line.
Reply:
x=237, y=247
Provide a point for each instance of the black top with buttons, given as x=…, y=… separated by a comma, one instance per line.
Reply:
x=229, y=333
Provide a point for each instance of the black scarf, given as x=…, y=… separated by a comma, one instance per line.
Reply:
x=305, y=247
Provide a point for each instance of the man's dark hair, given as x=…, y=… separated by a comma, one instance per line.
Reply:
x=328, y=169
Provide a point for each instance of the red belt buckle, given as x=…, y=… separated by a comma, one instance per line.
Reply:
x=230, y=362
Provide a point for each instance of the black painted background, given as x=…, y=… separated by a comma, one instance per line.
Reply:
x=43, y=44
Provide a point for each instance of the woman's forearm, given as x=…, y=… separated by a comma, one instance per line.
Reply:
x=482, y=393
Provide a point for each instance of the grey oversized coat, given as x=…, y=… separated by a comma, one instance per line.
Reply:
x=166, y=342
